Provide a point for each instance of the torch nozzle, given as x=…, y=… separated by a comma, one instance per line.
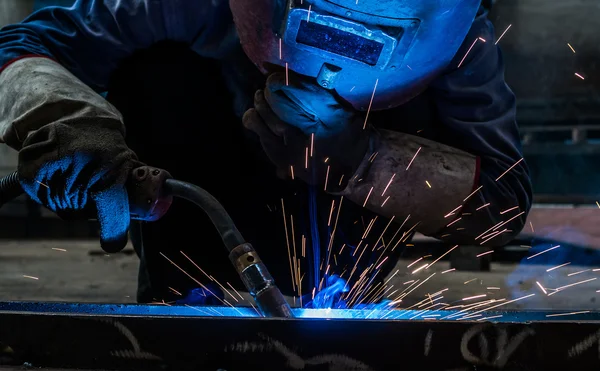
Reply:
x=259, y=282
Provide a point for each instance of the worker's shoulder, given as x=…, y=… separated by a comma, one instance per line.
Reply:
x=218, y=38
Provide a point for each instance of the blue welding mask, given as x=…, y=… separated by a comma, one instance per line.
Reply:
x=353, y=46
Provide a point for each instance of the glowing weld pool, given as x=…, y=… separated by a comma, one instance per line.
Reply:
x=249, y=312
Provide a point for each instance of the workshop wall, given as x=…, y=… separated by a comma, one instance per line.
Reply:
x=549, y=41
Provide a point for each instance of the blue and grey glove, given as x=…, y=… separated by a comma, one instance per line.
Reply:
x=78, y=170
x=306, y=128
x=72, y=153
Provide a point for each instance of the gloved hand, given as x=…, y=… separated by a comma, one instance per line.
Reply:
x=305, y=128
x=75, y=169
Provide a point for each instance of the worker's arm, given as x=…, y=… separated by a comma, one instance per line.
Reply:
x=472, y=188
x=72, y=151
x=89, y=40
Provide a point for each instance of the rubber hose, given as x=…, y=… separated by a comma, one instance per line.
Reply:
x=10, y=188
x=213, y=208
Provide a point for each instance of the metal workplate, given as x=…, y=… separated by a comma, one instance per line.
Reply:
x=131, y=337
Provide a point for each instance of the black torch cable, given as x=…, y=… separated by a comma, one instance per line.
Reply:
x=213, y=208
x=10, y=188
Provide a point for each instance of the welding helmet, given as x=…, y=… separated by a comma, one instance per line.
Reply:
x=394, y=48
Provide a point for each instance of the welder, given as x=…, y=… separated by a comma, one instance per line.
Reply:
x=323, y=125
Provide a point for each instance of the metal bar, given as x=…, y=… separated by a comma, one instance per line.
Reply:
x=109, y=336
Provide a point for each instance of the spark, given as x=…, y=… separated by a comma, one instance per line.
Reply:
x=484, y=253
x=429, y=185
x=481, y=207
x=415, y=262
x=471, y=280
x=500, y=224
x=509, y=169
x=571, y=48
x=441, y=256
x=449, y=270
x=392, y=276
x=418, y=269
x=313, y=293
x=31, y=277
x=326, y=178
x=377, y=267
x=280, y=52
x=468, y=51
x=578, y=75
x=407, y=282
x=493, y=288
x=193, y=279
x=472, y=193
x=456, y=220
x=352, y=88
x=572, y=284
x=209, y=277
x=508, y=210
x=341, y=179
x=484, y=318
x=542, y=252
x=312, y=144
x=452, y=212
x=576, y=273
x=234, y=290
x=567, y=314
x=198, y=309
x=287, y=77
x=386, y=200
x=292, y=171
x=287, y=241
x=330, y=247
x=541, y=288
x=256, y=310
x=308, y=17
x=306, y=159
x=369, y=195
x=373, y=156
x=503, y=33
x=422, y=282
x=532, y=230
x=596, y=269
x=411, y=161
x=388, y=185
x=57, y=249
x=504, y=303
x=598, y=204
x=558, y=266
x=474, y=297
x=42, y=184
x=175, y=291
x=371, y=102
x=331, y=212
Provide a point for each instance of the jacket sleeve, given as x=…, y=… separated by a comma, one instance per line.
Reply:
x=478, y=115
x=481, y=191
x=91, y=37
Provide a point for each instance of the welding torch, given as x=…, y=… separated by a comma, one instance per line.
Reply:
x=151, y=191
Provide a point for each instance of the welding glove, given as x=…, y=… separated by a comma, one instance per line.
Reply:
x=307, y=132
x=72, y=153
x=80, y=168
